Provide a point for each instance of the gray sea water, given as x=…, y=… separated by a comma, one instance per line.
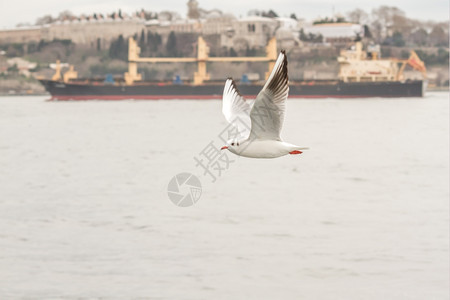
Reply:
x=363, y=214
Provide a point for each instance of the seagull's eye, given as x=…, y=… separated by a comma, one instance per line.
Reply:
x=238, y=144
x=232, y=144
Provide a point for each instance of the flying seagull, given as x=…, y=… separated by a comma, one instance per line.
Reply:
x=258, y=128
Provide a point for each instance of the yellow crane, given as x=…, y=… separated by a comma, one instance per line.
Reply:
x=415, y=62
x=202, y=58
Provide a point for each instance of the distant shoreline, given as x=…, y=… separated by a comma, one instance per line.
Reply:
x=433, y=89
x=24, y=94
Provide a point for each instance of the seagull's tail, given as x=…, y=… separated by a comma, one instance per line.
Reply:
x=295, y=147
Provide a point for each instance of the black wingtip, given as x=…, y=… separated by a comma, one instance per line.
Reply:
x=281, y=78
x=234, y=86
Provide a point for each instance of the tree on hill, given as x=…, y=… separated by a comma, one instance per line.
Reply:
x=327, y=20
x=65, y=15
x=47, y=19
x=171, y=45
x=153, y=42
x=311, y=38
x=395, y=40
x=358, y=16
x=419, y=37
x=438, y=37
x=119, y=49
x=141, y=43
x=269, y=14
x=232, y=52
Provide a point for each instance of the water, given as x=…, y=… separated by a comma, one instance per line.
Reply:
x=84, y=210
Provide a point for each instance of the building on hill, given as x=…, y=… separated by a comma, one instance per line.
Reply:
x=93, y=31
x=249, y=32
x=23, y=66
x=288, y=33
x=85, y=30
x=336, y=33
x=21, y=35
x=218, y=25
x=186, y=26
x=196, y=13
x=224, y=30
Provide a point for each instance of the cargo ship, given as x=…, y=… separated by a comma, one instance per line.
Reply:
x=361, y=74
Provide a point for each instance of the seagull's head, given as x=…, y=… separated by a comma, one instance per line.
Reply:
x=232, y=146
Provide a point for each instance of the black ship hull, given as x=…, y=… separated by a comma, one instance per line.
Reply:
x=298, y=89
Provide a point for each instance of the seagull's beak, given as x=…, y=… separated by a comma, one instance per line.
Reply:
x=224, y=147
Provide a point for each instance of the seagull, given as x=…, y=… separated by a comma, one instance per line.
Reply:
x=258, y=127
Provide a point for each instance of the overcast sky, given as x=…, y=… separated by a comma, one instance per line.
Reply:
x=13, y=12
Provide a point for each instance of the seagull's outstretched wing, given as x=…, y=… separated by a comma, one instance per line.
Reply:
x=267, y=114
x=236, y=110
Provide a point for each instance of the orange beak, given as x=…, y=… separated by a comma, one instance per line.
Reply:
x=224, y=147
